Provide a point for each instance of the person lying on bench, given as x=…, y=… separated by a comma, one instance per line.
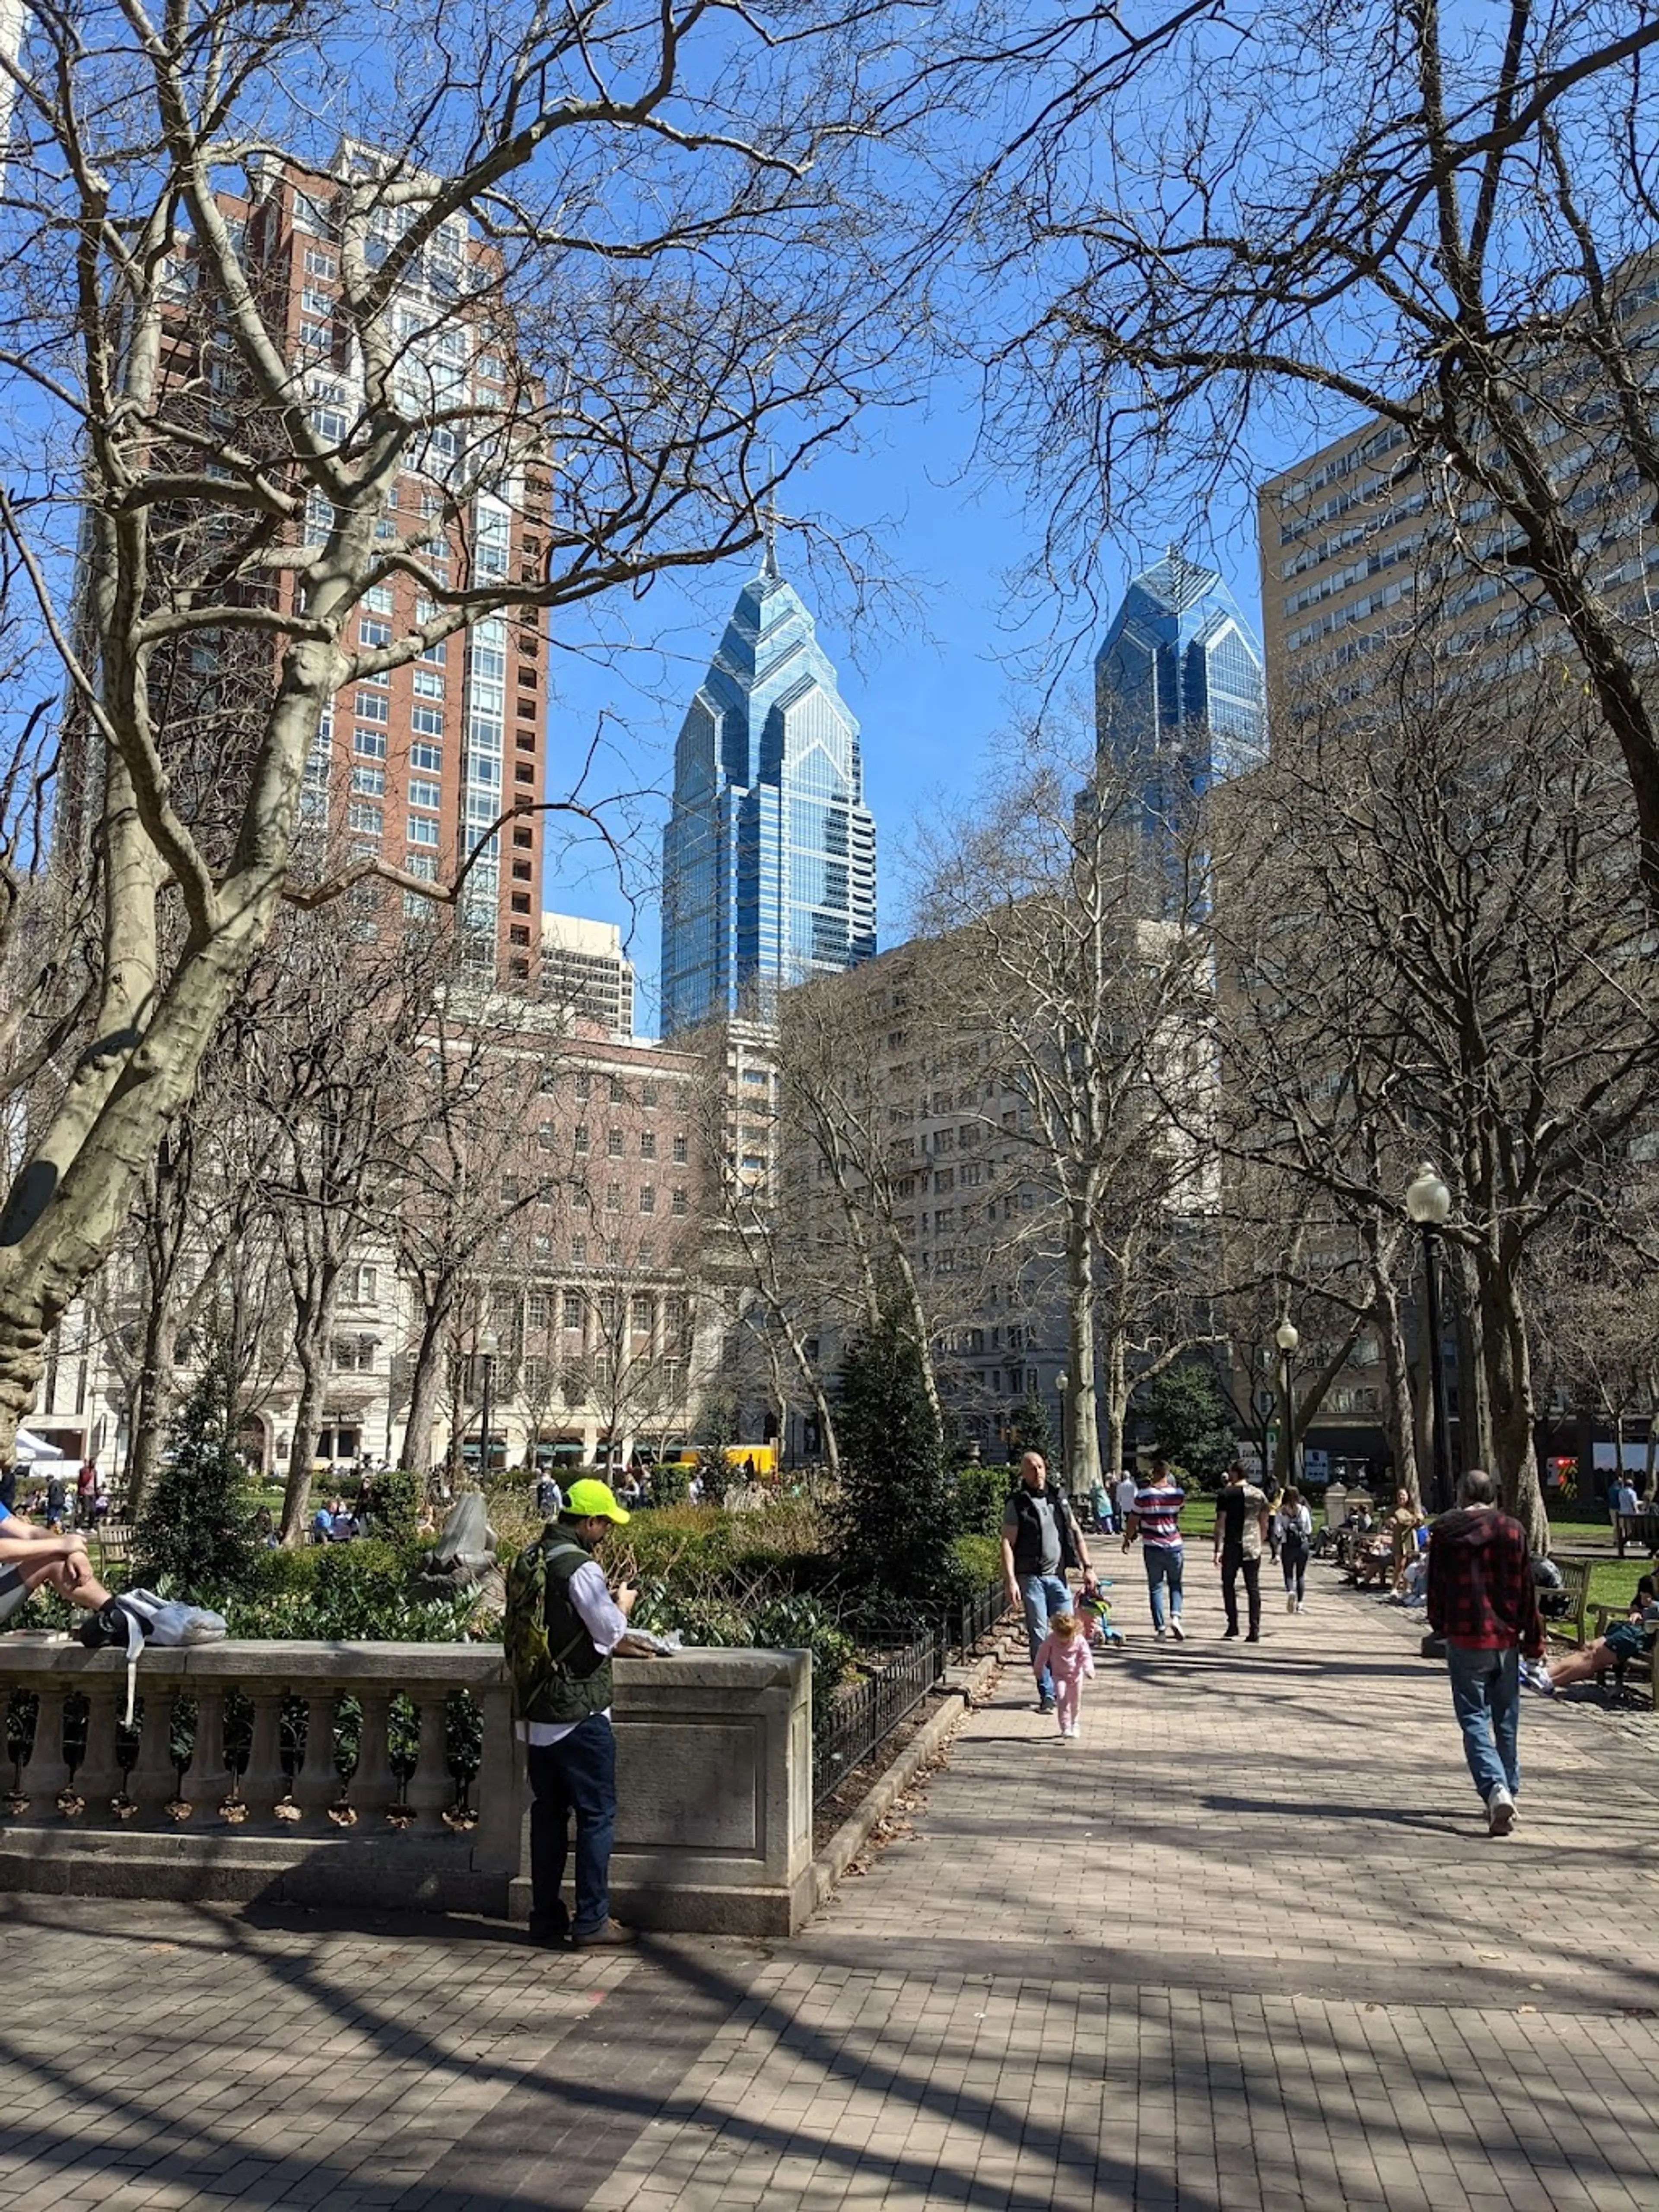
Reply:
x=34, y=1559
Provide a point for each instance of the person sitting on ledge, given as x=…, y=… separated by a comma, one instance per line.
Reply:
x=34, y=1559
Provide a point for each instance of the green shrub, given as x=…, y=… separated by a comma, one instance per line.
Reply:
x=975, y=1561
x=897, y=1512
x=670, y=1483
x=195, y=1535
x=361, y=1592
x=981, y=1495
x=395, y=1511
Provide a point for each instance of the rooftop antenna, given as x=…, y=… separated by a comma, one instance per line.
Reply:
x=769, y=520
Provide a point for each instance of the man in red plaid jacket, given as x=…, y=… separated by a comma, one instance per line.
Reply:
x=1482, y=1599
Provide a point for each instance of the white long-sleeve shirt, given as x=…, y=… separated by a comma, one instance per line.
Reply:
x=604, y=1622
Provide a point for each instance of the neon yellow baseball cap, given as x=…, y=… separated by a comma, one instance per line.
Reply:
x=592, y=1500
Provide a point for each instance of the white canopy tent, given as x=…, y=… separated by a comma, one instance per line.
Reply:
x=31, y=1450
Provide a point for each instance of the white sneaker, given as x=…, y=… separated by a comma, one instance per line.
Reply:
x=1289, y=1600
x=1177, y=1632
x=1500, y=1812
x=1160, y=1633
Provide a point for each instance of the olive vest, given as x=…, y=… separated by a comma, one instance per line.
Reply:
x=580, y=1682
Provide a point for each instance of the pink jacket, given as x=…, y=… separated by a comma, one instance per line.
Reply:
x=1069, y=1662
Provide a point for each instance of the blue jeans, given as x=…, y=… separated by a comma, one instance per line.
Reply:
x=1163, y=1564
x=1485, y=1687
x=576, y=1775
x=1043, y=1596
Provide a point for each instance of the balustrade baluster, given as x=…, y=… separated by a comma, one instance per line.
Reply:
x=207, y=1780
x=47, y=1774
x=498, y=1791
x=154, y=1777
x=316, y=1785
x=264, y=1784
x=431, y=1788
x=374, y=1786
x=99, y=1779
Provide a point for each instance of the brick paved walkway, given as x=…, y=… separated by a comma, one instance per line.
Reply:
x=1244, y=1948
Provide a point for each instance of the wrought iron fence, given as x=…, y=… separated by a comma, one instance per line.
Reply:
x=865, y=1716
x=975, y=1617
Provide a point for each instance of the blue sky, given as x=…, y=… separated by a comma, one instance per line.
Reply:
x=933, y=675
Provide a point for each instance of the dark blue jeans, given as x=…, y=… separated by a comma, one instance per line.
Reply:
x=577, y=1775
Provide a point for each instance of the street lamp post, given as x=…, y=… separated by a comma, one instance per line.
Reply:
x=1287, y=1337
x=1428, y=1202
x=489, y=1345
x=1063, y=1384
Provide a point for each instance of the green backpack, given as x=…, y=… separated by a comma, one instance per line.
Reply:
x=531, y=1661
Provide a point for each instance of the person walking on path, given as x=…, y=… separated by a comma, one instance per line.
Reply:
x=1065, y=1657
x=1240, y=1526
x=1295, y=1525
x=1040, y=1540
x=1482, y=1601
x=1156, y=1520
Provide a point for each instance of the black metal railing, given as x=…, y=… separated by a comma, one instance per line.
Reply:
x=864, y=1716
x=972, y=1619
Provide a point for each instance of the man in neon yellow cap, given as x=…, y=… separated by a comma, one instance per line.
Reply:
x=566, y=1720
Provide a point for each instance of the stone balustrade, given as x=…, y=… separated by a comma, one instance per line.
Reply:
x=378, y=1775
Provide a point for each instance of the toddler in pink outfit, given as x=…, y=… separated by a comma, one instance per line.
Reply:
x=1065, y=1652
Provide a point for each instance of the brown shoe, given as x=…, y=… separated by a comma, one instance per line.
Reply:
x=612, y=1937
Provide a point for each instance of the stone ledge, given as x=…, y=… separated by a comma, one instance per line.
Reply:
x=435, y=1876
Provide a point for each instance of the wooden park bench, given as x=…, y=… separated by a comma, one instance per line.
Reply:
x=1640, y=1528
x=1567, y=1617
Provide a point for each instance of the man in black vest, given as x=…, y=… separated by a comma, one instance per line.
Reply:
x=1040, y=1540
x=572, y=1748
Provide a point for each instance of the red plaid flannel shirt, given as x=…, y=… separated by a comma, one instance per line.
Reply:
x=1481, y=1585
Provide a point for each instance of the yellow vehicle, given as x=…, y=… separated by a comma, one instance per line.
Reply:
x=757, y=1461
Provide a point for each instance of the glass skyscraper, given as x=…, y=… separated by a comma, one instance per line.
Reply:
x=1179, y=704
x=769, y=855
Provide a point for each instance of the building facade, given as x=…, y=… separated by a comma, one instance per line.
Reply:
x=416, y=762
x=769, y=855
x=586, y=975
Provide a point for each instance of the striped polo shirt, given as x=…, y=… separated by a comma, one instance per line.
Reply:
x=1157, y=1511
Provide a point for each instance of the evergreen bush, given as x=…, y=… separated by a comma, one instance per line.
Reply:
x=195, y=1537
x=1189, y=1420
x=981, y=1499
x=896, y=1514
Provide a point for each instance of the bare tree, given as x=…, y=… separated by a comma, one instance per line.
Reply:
x=326, y=1063
x=1071, y=924
x=1441, y=220
x=658, y=227
x=1463, y=977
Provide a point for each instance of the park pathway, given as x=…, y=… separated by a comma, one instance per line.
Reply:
x=1245, y=1948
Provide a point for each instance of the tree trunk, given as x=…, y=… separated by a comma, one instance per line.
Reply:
x=1397, y=1385
x=1079, y=1411
x=1508, y=1371
x=426, y=1384
x=1117, y=1399
x=152, y=1404
x=313, y=1335
x=1474, y=1395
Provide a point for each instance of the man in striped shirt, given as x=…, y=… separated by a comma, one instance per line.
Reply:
x=1157, y=1521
